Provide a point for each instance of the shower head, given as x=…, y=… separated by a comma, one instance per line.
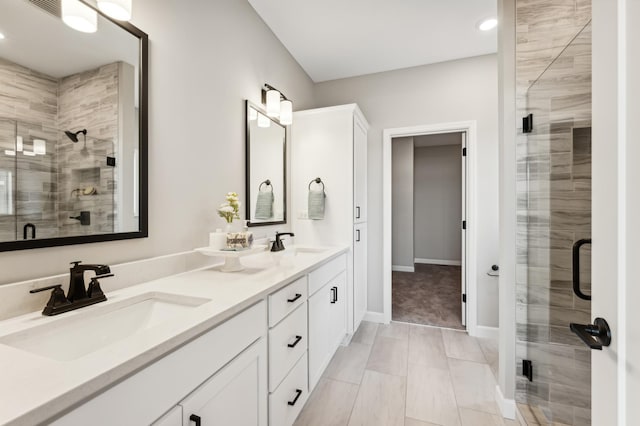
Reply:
x=74, y=136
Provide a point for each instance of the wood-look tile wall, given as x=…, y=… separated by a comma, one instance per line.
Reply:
x=37, y=106
x=553, y=67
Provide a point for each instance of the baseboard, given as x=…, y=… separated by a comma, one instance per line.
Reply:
x=438, y=262
x=485, y=332
x=399, y=268
x=377, y=317
x=507, y=406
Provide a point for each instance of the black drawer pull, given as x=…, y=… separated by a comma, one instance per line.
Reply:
x=295, y=342
x=298, y=393
x=196, y=419
x=357, y=212
x=298, y=296
x=334, y=294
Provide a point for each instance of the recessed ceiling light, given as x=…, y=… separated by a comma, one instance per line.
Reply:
x=488, y=24
x=2, y=36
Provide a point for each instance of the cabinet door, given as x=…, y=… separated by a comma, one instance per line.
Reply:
x=236, y=395
x=359, y=274
x=319, y=333
x=359, y=171
x=172, y=418
x=337, y=312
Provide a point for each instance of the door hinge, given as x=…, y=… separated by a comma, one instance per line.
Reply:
x=464, y=224
x=464, y=298
x=464, y=152
x=527, y=369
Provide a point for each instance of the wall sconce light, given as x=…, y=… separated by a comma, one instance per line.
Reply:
x=116, y=9
x=277, y=104
x=79, y=16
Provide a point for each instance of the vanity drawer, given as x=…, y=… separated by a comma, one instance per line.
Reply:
x=286, y=300
x=282, y=357
x=319, y=277
x=287, y=401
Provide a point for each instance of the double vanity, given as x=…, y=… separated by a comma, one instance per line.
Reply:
x=200, y=347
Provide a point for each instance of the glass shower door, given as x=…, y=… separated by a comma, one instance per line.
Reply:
x=554, y=211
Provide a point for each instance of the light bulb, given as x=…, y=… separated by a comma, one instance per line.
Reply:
x=116, y=9
x=286, y=112
x=79, y=16
x=488, y=24
x=273, y=103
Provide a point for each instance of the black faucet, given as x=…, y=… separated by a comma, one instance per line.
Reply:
x=277, y=244
x=77, y=289
x=78, y=295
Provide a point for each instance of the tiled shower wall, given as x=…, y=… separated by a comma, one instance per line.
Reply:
x=39, y=106
x=88, y=100
x=554, y=206
x=29, y=98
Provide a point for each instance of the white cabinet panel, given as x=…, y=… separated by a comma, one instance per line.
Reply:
x=359, y=274
x=287, y=401
x=236, y=395
x=359, y=171
x=172, y=418
x=287, y=343
x=286, y=300
x=322, y=275
x=327, y=325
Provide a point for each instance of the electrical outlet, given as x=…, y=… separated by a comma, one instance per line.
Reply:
x=303, y=214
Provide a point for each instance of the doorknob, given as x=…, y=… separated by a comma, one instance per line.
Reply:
x=595, y=335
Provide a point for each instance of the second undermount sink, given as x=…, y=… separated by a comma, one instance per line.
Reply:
x=75, y=336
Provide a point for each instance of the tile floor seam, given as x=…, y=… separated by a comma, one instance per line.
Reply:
x=353, y=406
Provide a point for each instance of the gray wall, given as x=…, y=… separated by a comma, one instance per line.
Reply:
x=459, y=90
x=438, y=202
x=202, y=67
x=402, y=200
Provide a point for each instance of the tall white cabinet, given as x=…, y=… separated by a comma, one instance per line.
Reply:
x=331, y=143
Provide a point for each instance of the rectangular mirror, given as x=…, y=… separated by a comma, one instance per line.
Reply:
x=266, y=141
x=73, y=129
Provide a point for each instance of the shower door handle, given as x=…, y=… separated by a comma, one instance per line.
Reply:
x=594, y=335
x=576, y=268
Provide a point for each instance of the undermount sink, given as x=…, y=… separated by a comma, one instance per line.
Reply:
x=72, y=337
x=310, y=250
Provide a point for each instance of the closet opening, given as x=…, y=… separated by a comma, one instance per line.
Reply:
x=428, y=236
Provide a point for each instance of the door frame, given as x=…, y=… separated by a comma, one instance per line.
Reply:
x=615, y=371
x=469, y=258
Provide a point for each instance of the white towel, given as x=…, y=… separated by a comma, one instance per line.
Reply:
x=316, y=204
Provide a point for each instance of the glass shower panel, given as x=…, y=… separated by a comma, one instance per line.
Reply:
x=554, y=211
x=8, y=148
x=36, y=181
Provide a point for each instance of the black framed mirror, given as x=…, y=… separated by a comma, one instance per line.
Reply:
x=73, y=129
x=266, y=175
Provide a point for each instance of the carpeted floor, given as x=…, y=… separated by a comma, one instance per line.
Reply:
x=430, y=295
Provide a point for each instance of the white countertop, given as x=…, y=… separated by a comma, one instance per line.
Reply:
x=34, y=389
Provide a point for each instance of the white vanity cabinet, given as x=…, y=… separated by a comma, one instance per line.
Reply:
x=331, y=143
x=288, y=340
x=221, y=373
x=327, y=315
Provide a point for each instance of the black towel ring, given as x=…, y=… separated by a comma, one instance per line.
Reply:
x=266, y=182
x=318, y=181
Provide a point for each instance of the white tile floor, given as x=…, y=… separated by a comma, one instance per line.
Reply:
x=407, y=375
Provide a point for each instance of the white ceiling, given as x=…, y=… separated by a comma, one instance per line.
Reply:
x=40, y=41
x=334, y=39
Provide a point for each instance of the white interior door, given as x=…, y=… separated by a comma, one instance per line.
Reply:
x=616, y=201
x=463, y=255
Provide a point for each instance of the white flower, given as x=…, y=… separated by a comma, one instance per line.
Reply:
x=226, y=209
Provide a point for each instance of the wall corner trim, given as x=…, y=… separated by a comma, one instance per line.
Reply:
x=507, y=406
x=400, y=268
